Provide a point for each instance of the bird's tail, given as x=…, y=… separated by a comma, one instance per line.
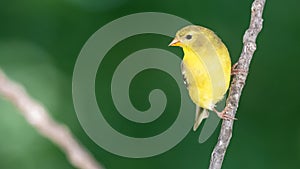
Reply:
x=200, y=115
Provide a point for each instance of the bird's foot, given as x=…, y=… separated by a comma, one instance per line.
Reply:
x=223, y=115
x=235, y=71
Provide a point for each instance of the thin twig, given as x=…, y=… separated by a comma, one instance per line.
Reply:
x=39, y=118
x=238, y=83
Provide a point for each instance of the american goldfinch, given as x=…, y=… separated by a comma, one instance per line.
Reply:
x=206, y=69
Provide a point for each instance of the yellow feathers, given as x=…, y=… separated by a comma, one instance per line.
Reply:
x=206, y=68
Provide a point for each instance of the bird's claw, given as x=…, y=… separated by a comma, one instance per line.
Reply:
x=235, y=71
x=223, y=115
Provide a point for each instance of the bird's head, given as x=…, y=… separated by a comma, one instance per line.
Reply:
x=186, y=36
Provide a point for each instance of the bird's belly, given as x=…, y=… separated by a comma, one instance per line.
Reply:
x=201, y=92
x=201, y=88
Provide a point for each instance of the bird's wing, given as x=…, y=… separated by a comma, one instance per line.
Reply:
x=183, y=72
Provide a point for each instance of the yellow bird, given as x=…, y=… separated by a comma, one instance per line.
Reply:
x=206, y=69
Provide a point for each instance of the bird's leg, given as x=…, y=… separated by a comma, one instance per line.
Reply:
x=235, y=71
x=223, y=114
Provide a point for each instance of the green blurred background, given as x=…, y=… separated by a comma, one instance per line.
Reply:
x=39, y=44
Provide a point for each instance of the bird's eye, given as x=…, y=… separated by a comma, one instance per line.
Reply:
x=188, y=37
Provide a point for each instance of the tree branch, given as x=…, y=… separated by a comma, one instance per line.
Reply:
x=238, y=82
x=39, y=118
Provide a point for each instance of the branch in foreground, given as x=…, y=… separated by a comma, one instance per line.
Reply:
x=238, y=83
x=40, y=119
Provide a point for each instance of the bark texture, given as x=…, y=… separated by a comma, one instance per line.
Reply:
x=238, y=83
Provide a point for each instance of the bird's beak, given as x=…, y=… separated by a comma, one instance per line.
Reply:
x=175, y=42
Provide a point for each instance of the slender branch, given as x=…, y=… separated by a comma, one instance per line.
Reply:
x=39, y=118
x=238, y=83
